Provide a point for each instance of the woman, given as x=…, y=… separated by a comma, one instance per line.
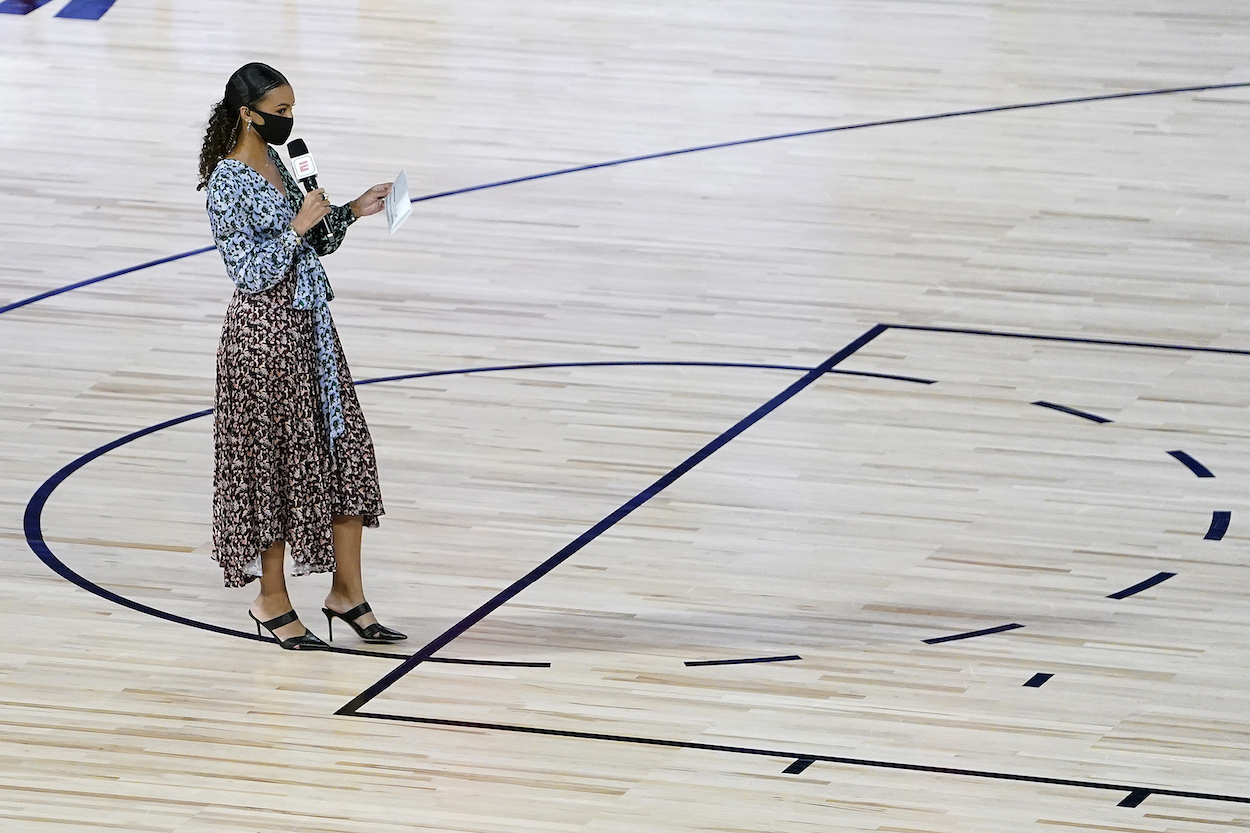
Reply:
x=294, y=463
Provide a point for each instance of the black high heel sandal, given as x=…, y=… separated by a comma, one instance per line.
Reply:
x=377, y=632
x=307, y=641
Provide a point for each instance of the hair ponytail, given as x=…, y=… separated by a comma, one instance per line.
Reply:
x=219, y=138
x=246, y=87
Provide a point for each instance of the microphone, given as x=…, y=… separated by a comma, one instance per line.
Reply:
x=305, y=169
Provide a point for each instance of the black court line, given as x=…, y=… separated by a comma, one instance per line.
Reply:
x=1135, y=798
x=1130, y=789
x=1065, y=409
x=980, y=111
x=494, y=663
x=695, y=663
x=970, y=634
x=798, y=766
x=1098, y=342
x=1192, y=464
x=607, y=523
x=1157, y=578
x=1219, y=525
x=1037, y=680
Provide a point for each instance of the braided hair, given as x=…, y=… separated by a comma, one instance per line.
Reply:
x=246, y=87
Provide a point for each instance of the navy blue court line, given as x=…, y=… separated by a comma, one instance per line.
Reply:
x=607, y=523
x=787, y=658
x=1157, y=578
x=51, y=292
x=1065, y=409
x=979, y=111
x=1219, y=525
x=21, y=6
x=1104, y=342
x=970, y=634
x=86, y=9
x=696, y=149
x=33, y=521
x=1192, y=464
x=1037, y=680
x=797, y=756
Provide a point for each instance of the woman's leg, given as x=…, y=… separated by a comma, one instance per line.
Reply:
x=273, y=600
x=348, y=589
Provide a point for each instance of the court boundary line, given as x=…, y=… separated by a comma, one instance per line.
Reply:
x=1130, y=789
x=772, y=137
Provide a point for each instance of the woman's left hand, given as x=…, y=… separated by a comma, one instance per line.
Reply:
x=370, y=202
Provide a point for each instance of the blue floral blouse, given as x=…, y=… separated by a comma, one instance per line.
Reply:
x=251, y=224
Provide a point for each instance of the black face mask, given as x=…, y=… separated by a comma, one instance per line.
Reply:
x=276, y=129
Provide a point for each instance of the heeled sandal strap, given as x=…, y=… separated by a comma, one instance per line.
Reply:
x=377, y=632
x=278, y=621
x=356, y=612
x=307, y=641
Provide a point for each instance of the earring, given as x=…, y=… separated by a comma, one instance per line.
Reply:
x=249, y=125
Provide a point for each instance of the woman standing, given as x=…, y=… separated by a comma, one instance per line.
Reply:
x=294, y=463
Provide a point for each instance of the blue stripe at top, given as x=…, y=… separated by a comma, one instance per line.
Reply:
x=21, y=6
x=86, y=9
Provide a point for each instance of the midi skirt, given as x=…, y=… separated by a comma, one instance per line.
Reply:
x=275, y=476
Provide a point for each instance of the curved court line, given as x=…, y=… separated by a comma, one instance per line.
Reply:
x=69, y=287
x=748, y=661
x=773, y=137
x=1157, y=578
x=33, y=519
x=937, y=640
x=1066, y=410
x=1193, y=465
x=401, y=377
x=1219, y=525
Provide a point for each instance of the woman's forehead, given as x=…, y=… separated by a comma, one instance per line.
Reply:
x=279, y=95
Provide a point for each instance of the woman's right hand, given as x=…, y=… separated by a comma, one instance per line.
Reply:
x=316, y=206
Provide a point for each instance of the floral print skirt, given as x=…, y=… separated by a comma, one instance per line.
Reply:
x=275, y=478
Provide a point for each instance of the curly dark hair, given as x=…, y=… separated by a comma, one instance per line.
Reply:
x=246, y=87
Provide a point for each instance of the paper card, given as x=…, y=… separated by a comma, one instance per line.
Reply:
x=397, y=204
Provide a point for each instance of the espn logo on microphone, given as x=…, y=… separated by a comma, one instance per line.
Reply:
x=304, y=166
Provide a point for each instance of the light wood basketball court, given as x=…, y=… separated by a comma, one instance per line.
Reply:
x=614, y=467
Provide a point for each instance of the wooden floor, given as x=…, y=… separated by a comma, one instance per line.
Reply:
x=671, y=301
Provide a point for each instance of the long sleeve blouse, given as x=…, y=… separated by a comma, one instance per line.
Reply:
x=251, y=222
